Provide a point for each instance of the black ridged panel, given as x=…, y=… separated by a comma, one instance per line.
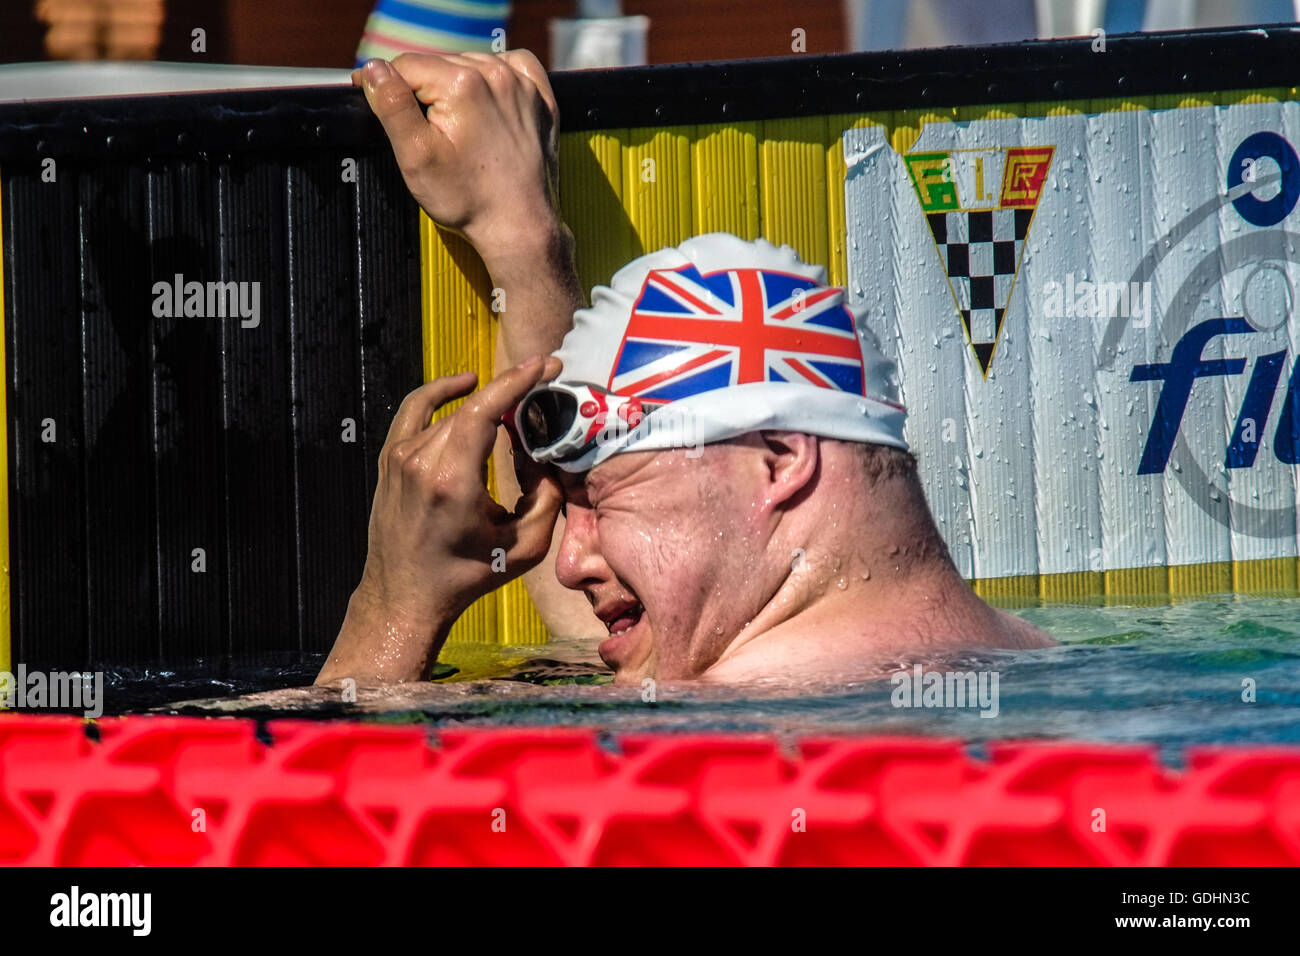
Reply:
x=117, y=356
x=47, y=507
x=186, y=411
x=262, y=600
x=388, y=254
x=330, y=474
x=181, y=432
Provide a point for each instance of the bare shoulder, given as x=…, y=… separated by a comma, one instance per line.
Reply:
x=1015, y=632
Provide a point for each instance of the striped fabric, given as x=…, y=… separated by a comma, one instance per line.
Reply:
x=431, y=26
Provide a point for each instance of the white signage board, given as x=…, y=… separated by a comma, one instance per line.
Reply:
x=1091, y=316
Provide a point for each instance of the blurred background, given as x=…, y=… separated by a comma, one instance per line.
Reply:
x=567, y=33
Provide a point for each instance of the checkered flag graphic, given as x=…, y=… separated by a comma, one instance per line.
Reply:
x=981, y=252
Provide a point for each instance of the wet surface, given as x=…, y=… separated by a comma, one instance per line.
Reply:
x=1172, y=676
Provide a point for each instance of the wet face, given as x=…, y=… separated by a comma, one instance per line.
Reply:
x=669, y=550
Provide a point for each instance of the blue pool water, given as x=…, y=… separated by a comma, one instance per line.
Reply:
x=1169, y=675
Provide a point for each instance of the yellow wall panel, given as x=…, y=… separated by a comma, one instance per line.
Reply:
x=1137, y=586
x=458, y=325
x=517, y=620
x=906, y=125
x=1267, y=576
x=459, y=331
x=1115, y=104
x=1275, y=94
x=724, y=168
x=1082, y=587
x=591, y=202
x=1008, y=592
x=970, y=114
x=1180, y=101
x=1197, y=580
x=792, y=174
x=1146, y=586
x=657, y=186
x=1051, y=108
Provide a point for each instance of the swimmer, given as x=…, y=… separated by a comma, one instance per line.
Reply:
x=757, y=515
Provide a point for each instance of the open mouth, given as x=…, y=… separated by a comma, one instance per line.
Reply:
x=623, y=619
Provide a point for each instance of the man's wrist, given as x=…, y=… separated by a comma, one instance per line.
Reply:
x=381, y=642
x=372, y=606
x=526, y=249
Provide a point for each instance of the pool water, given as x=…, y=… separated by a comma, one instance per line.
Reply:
x=1169, y=675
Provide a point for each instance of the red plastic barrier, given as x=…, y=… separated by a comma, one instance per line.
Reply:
x=167, y=791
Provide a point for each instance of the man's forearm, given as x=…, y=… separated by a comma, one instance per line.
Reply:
x=542, y=292
x=536, y=278
x=376, y=645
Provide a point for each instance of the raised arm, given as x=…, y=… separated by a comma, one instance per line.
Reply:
x=475, y=136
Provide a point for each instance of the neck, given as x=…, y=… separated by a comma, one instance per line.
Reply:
x=851, y=593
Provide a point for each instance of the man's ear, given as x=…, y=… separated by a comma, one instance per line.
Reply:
x=792, y=460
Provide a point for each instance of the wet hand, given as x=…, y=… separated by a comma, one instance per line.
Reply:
x=475, y=136
x=438, y=540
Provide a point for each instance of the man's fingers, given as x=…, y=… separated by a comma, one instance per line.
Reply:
x=432, y=75
x=440, y=59
x=471, y=432
x=474, y=426
x=533, y=522
x=524, y=63
x=528, y=473
x=393, y=101
x=418, y=407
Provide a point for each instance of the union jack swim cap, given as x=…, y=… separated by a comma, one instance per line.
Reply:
x=734, y=337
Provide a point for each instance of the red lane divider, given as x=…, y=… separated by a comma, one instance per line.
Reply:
x=176, y=791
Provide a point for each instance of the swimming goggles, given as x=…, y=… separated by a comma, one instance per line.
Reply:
x=559, y=422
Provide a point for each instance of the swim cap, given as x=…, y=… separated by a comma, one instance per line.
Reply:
x=732, y=337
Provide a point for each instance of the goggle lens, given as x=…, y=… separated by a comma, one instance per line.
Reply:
x=547, y=417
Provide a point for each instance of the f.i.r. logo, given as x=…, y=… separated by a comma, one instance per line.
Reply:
x=979, y=204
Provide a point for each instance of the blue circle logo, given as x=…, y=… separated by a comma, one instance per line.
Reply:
x=1241, y=169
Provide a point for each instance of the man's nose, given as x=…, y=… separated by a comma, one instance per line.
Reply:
x=579, y=562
